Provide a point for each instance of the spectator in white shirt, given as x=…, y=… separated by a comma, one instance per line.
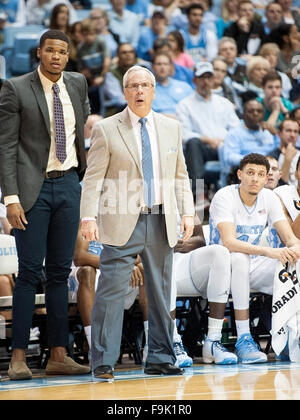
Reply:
x=206, y=119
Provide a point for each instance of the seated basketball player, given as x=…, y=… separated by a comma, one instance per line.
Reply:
x=238, y=216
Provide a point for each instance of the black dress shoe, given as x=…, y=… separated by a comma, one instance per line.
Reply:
x=163, y=369
x=103, y=372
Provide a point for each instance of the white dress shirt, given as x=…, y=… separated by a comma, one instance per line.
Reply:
x=69, y=118
x=154, y=149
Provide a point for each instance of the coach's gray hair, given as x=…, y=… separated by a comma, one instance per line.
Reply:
x=138, y=69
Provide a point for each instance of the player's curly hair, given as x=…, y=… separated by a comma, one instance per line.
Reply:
x=254, y=159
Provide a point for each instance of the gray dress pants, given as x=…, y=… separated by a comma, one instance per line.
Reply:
x=149, y=240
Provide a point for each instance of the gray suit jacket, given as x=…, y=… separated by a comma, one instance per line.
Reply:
x=113, y=187
x=25, y=133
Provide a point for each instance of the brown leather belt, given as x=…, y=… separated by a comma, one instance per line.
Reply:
x=58, y=174
x=158, y=209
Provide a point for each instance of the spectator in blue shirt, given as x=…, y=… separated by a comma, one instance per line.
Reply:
x=169, y=92
x=14, y=10
x=200, y=43
x=149, y=34
x=249, y=137
x=124, y=23
x=228, y=16
x=179, y=72
x=140, y=8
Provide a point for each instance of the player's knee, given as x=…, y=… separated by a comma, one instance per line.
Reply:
x=239, y=259
x=220, y=252
x=86, y=277
x=4, y=282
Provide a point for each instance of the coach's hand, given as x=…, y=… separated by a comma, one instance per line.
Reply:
x=89, y=230
x=16, y=216
x=186, y=227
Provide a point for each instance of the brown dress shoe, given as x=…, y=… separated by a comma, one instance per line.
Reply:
x=67, y=367
x=19, y=371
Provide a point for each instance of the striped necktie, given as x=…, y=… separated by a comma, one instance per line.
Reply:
x=147, y=165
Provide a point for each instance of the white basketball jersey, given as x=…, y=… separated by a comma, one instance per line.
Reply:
x=249, y=222
x=291, y=200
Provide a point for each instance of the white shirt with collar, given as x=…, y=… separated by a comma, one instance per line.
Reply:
x=201, y=117
x=154, y=149
x=69, y=118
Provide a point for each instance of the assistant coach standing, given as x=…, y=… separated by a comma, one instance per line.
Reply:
x=42, y=160
x=137, y=170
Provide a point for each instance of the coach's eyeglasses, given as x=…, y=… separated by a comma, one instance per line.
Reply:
x=135, y=86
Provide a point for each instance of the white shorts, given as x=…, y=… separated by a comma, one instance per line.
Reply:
x=73, y=284
x=182, y=272
x=202, y=272
x=261, y=275
x=250, y=274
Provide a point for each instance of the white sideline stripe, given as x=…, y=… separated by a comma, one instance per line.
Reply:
x=212, y=393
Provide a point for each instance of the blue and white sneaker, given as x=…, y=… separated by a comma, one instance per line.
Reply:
x=182, y=358
x=215, y=352
x=248, y=351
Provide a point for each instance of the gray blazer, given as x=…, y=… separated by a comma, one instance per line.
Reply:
x=25, y=133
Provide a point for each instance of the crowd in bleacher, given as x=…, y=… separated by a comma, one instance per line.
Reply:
x=216, y=64
x=245, y=41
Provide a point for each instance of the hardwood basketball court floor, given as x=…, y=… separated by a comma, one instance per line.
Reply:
x=269, y=381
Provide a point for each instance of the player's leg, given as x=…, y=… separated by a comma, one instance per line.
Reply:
x=247, y=350
x=210, y=273
x=86, y=277
x=181, y=264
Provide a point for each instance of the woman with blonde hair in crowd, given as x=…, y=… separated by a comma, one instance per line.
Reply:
x=229, y=15
x=257, y=67
x=271, y=52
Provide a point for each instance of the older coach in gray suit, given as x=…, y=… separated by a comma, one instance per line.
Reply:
x=135, y=183
x=42, y=159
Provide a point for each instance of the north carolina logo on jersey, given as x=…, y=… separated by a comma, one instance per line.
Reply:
x=284, y=275
x=294, y=277
x=297, y=204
